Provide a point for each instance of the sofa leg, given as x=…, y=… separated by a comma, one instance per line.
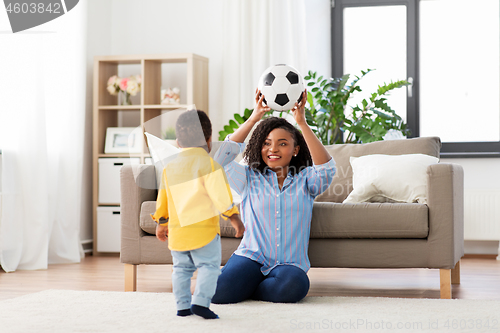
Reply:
x=130, y=277
x=445, y=283
x=455, y=274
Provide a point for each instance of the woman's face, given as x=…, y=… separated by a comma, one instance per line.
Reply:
x=278, y=149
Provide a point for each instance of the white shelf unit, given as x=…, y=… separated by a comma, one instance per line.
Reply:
x=192, y=77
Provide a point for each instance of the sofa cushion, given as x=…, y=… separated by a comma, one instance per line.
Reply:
x=341, y=185
x=148, y=225
x=145, y=221
x=334, y=220
x=369, y=220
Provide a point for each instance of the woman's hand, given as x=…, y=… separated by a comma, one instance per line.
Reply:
x=298, y=110
x=260, y=109
x=258, y=112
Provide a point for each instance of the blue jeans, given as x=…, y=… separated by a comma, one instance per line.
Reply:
x=242, y=279
x=207, y=260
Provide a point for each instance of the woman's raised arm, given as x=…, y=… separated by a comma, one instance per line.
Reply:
x=319, y=153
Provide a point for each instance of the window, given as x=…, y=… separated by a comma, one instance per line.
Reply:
x=452, y=58
x=361, y=50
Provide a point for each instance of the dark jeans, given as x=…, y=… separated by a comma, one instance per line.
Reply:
x=242, y=279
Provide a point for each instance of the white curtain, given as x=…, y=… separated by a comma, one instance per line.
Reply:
x=257, y=35
x=42, y=117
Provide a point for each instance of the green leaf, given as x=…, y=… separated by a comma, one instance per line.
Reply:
x=343, y=82
x=321, y=118
x=310, y=84
x=311, y=102
x=222, y=135
x=315, y=89
x=322, y=84
x=382, y=115
x=393, y=85
x=233, y=124
x=239, y=118
x=228, y=129
x=307, y=77
x=365, y=103
x=383, y=106
x=248, y=113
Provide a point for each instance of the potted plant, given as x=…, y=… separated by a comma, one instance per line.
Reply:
x=330, y=116
x=328, y=113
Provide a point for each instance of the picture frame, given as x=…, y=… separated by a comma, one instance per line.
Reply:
x=122, y=140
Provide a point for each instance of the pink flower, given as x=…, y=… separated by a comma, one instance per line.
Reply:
x=112, y=80
x=123, y=84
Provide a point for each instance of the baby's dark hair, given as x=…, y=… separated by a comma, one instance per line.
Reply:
x=253, y=155
x=187, y=129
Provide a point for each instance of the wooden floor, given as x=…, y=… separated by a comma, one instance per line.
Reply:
x=480, y=279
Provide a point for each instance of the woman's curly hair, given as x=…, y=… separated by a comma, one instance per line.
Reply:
x=253, y=155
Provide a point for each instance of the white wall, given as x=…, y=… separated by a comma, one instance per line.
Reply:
x=318, y=36
x=98, y=43
x=163, y=26
x=0, y=177
x=175, y=26
x=479, y=174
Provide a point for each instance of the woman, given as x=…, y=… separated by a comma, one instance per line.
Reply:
x=277, y=187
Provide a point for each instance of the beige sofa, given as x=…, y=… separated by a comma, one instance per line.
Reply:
x=362, y=235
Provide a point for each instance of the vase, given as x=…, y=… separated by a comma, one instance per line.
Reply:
x=125, y=98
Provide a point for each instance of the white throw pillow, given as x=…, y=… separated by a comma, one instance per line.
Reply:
x=390, y=178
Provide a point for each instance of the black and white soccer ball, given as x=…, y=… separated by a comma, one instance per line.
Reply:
x=282, y=86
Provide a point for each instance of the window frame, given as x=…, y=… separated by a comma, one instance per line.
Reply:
x=448, y=149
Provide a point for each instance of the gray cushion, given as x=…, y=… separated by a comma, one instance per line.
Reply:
x=146, y=221
x=369, y=220
x=148, y=225
x=341, y=185
x=333, y=220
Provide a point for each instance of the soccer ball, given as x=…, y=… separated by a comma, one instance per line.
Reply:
x=282, y=86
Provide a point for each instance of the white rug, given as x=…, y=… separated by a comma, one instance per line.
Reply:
x=96, y=311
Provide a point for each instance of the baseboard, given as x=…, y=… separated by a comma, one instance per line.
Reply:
x=102, y=254
x=481, y=247
x=480, y=256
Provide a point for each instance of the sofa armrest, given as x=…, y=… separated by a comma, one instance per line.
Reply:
x=446, y=214
x=137, y=184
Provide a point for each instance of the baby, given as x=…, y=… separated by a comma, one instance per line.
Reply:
x=193, y=192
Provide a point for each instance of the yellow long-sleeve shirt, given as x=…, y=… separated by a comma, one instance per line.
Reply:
x=194, y=191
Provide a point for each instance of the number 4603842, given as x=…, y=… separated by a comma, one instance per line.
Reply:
x=33, y=8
